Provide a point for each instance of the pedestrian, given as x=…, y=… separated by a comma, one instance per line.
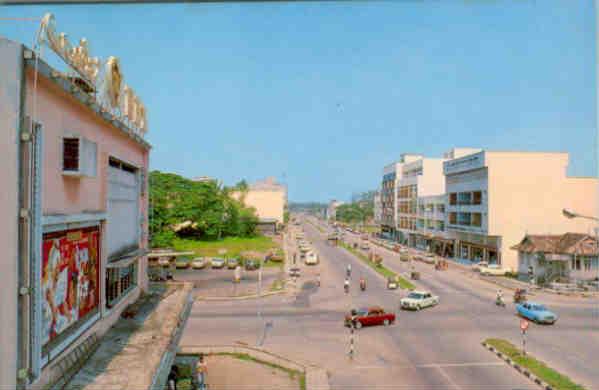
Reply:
x=172, y=378
x=201, y=369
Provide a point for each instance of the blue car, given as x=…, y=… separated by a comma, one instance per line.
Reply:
x=536, y=312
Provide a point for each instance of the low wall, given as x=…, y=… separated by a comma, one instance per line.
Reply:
x=316, y=377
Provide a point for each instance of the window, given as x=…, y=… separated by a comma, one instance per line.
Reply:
x=587, y=264
x=441, y=226
x=119, y=281
x=465, y=198
x=453, y=198
x=476, y=219
x=452, y=218
x=477, y=197
x=464, y=219
x=70, y=154
x=441, y=208
x=79, y=156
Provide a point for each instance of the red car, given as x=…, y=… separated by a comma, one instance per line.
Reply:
x=369, y=316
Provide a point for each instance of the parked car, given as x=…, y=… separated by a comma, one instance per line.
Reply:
x=365, y=246
x=369, y=316
x=493, y=269
x=392, y=283
x=477, y=267
x=251, y=265
x=311, y=258
x=232, y=263
x=294, y=272
x=164, y=261
x=217, y=262
x=536, y=312
x=417, y=300
x=429, y=258
x=182, y=262
x=199, y=263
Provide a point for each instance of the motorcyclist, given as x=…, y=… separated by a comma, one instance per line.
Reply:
x=349, y=270
x=363, y=283
x=318, y=279
x=346, y=285
x=499, y=298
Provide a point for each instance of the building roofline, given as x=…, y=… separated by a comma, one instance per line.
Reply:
x=582, y=177
x=523, y=151
x=54, y=76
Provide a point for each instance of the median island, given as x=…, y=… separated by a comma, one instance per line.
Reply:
x=381, y=269
x=547, y=374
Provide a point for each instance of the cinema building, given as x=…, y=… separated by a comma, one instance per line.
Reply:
x=74, y=202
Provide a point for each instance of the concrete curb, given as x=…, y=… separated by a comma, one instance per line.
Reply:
x=544, y=385
x=316, y=377
x=242, y=297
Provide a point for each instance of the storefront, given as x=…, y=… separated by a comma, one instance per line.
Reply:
x=471, y=248
x=422, y=242
x=475, y=253
x=443, y=247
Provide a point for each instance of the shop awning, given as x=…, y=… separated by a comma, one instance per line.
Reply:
x=127, y=259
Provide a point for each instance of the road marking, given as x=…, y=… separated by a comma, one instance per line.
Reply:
x=448, y=378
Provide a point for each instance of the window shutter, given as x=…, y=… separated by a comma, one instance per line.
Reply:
x=88, y=157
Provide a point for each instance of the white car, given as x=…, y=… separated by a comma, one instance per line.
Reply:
x=365, y=246
x=494, y=270
x=417, y=300
x=429, y=258
x=311, y=258
x=164, y=262
x=477, y=267
x=199, y=263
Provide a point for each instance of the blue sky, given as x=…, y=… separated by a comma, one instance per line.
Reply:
x=323, y=95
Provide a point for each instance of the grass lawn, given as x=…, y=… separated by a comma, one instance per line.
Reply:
x=233, y=245
x=386, y=272
x=537, y=367
x=293, y=374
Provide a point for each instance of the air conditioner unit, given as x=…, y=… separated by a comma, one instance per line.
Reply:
x=79, y=156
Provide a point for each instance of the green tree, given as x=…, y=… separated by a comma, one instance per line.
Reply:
x=213, y=213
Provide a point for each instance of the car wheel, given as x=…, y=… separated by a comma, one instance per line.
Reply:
x=386, y=322
x=358, y=324
x=418, y=307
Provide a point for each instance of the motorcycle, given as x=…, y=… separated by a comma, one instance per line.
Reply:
x=499, y=302
x=362, y=284
x=346, y=287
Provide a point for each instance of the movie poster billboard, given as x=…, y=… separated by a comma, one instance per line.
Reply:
x=70, y=278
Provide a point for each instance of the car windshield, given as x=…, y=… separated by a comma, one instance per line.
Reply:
x=539, y=308
x=415, y=296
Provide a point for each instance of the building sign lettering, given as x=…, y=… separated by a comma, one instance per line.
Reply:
x=106, y=80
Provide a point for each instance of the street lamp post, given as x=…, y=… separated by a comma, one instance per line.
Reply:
x=571, y=215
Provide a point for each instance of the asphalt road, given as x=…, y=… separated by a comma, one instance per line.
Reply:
x=436, y=348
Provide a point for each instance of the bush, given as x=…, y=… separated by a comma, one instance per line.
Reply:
x=163, y=239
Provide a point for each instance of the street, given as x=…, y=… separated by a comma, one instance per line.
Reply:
x=437, y=347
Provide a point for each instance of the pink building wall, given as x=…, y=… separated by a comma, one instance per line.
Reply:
x=61, y=114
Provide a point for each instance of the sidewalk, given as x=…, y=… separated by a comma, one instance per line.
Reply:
x=502, y=281
x=131, y=354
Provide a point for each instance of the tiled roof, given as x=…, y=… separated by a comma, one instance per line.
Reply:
x=568, y=243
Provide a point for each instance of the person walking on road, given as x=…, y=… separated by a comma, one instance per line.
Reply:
x=201, y=369
x=172, y=378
